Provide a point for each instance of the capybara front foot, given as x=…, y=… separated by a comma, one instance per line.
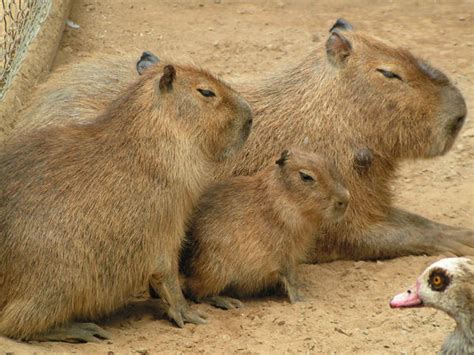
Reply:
x=222, y=302
x=182, y=314
x=177, y=308
x=74, y=333
x=405, y=233
x=291, y=290
x=293, y=295
x=460, y=242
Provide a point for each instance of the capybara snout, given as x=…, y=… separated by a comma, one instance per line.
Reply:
x=238, y=129
x=453, y=115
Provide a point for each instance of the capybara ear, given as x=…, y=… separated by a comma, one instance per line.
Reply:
x=363, y=159
x=341, y=25
x=283, y=158
x=338, y=48
x=146, y=60
x=169, y=75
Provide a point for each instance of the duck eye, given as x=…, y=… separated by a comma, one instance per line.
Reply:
x=206, y=93
x=439, y=280
x=306, y=177
x=388, y=74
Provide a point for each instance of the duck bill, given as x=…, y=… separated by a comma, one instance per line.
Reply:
x=407, y=299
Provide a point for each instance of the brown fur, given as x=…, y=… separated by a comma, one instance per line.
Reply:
x=251, y=231
x=88, y=212
x=337, y=101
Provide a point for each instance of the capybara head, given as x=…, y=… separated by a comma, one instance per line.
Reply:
x=216, y=118
x=311, y=180
x=395, y=100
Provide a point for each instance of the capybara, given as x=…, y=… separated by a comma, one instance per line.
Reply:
x=250, y=232
x=353, y=91
x=91, y=213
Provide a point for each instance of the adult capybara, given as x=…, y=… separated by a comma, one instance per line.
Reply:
x=249, y=233
x=351, y=92
x=91, y=213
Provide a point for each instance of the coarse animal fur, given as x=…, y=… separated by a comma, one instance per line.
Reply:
x=89, y=212
x=351, y=92
x=250, y=232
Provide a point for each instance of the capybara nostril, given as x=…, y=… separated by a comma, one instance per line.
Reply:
x=250, y=123
x=341, y=202
x=341, y=205
x=458, y=123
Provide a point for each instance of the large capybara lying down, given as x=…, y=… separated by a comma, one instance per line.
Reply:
x=352, y=92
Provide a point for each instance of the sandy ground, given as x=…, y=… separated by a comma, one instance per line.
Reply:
x=346, y=303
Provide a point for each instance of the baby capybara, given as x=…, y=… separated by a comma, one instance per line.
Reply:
x=250, y=232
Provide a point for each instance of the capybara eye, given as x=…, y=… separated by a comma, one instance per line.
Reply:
x=388, y=74
x=206, y=93
x=306, y=177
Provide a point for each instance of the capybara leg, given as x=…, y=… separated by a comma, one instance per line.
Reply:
x=177, y=308
x=289, y=283
x=403, y=233
x=74, y=333
x=221, y=302
x=409, y=234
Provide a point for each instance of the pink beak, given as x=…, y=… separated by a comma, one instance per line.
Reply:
x=407, y=299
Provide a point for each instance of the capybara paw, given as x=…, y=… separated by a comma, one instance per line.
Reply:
x=75, y=333
x=195, y=317
x=295, y=298
x=458, y=243
x=223, y=302
x=184, y=314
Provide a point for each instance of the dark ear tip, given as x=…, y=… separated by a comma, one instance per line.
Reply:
x=169, y=70
x=169, y=75
x=341, y=24
x=283, y=158
x=146, y=60
x=363, y=159
x=147, y=54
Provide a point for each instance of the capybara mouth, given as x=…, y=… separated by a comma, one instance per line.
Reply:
x=239, y=142
x=337, y=214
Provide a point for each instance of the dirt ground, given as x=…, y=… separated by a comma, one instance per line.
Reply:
x=346, y=303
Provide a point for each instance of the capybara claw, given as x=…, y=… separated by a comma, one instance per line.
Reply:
x=223, y=302
x=195, y=317
x=184, y=314
x=75, y=333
